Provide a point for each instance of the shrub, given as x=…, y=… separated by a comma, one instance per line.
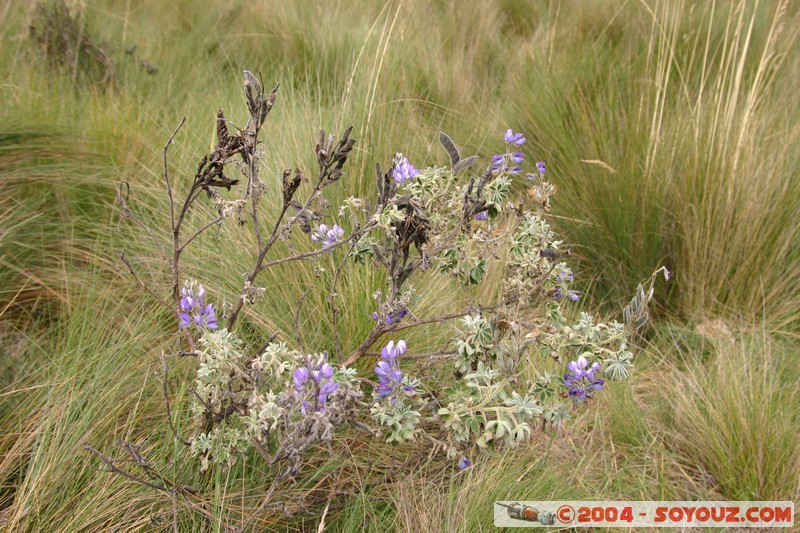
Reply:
x=516, y=364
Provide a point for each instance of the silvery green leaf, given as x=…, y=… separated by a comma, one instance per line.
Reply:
x=449, y=147
x=522, y=431
x=557, y=415
x=503, y=428
x=543, y=390
x=617, y=366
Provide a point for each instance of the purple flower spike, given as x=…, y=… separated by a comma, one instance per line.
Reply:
x=497, y=161
x=318, y=378
x=580, y=378
x=515, y=170
x=403, y=170
x=483, y=215
x=333, y=235
x=194, y=310
x=388, y=370
x=515, y=138
x=518, y=157
x=464, y=463
x=327, y=236
x=321, y=233
x=540, y=166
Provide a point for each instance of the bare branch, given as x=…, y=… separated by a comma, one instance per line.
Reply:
x=127, y=213
x=144, y=285
x=381, y=329
x=440, y=354
x=201, y=230
x=166, y=173
x=112, y=467
x=251, y=278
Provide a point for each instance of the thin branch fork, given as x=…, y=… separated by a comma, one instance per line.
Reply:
x=157, y=481
x=112, y=467
x=169, y=143
x=122, y=199
x=265, y=250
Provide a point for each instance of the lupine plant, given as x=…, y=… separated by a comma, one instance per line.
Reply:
x=516, y=364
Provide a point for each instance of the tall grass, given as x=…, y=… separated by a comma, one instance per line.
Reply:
x=698, y=134
x=669, y=128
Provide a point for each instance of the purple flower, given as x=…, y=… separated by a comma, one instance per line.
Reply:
x=324, y=372
x=518, y=157
x=388, y=370
x=327, y=236
x=483, y=215
x=515, y=170
x=564, y=276
x=188, y=290
x=403, y=170
x=194, y=310
x=300, y=377
x=498, y=161
x=580, y=378
x=392, y=318
x=571, y=295
x=329, y=387
x=464, y=463
x=574, y=295
x=580, y=368
x=205, y=318
x=540, y=166
x=390, y=351
x=319, y=377
x=515, y=138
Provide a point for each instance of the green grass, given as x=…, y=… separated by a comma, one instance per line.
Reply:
x=669, y=127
